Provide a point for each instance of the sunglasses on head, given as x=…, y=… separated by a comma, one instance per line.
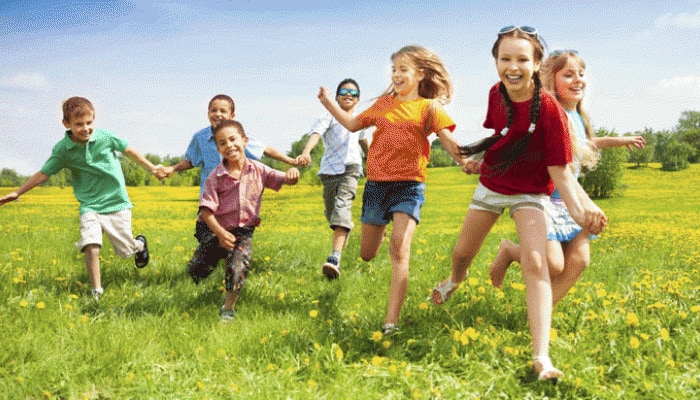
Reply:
x=346, y=91
x=560, y=52
x=528, y=30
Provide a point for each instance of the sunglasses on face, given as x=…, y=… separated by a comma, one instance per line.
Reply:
x=528, y=30
x=560, y=52
x=346, y=91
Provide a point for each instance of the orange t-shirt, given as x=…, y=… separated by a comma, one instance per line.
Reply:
x=400, y=149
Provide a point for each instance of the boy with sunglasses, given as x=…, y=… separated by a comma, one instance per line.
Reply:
x=340, y=170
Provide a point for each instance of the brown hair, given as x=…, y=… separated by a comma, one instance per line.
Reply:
x=230, y=123
x=225, y=98
x=77, y=107
x=436, y=83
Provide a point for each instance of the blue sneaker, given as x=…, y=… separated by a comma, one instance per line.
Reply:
x=331, y=269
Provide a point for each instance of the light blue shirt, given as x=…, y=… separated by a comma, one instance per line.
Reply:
x=202, y=153
x=580, y=133
x=342, y=147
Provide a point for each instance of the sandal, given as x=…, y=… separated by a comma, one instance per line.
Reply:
x=390, y=329
x=141, y=257
x=443, y=291
x=543, y=364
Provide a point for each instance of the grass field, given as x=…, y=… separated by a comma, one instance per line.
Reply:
x=629, y=329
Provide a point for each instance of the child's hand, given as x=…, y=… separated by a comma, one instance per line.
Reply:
x=226, y=240
x=471, y=166
x=8, y=198
x=635, y=141
x=303, y=160
x=163, y=172
x=291, y=176
x=595, y=218
x=323, y=95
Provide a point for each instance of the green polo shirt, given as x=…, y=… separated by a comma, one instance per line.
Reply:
x=98, y=180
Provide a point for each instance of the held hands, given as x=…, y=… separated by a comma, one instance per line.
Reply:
x=471, y=166
x=291, y=176
x=303, y=160
x=162, y=172
x=594, y=217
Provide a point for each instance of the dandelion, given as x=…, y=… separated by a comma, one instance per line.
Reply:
x=339, y=353
x=695, y=309
x=377, y=336
x=281, y=296
x=664, y=334
x=553, y=334
x=634, y=342
x=23, y=303
x=313, y=313
x=632, y=320
x=392, y=369
x=517, y=286
x=423, y=306
x=386, y=344
x=473, y=281
x=312, y=384
x=84, y=319
x=377, y=361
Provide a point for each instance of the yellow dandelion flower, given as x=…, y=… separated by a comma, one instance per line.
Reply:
x=312, y=383
x=84, y=319
x=386, y=344
x=517, y=286
x=339, y=353
x=602, y=292
x=411, y=341
x=473, y=281
x=377, y=336
x=392, y=369
x=200, y=385
x=267, y=258
x=377, y=361
x=664, y=334
x=69, y=307
x=423, y=306
x=553, y=334
x=670, y=363
x=23, y=303
x=634, y=342
x=471, y=333
x=281, y=296
x=695, y=309
x=313, y=313
x=74, y=296
x=631, y=319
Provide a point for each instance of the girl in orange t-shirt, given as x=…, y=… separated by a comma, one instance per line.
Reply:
x=404, y=117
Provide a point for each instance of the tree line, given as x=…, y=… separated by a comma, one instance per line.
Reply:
x=674, y=149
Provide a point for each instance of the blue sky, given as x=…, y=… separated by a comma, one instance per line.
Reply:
x=150, y=67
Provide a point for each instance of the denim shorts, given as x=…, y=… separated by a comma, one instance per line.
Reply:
x=486, y=199
x=382, y=199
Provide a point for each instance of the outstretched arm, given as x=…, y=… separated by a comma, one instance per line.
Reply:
x=349, y=121
x=604, y=142
x=167, y=172
x=278, y=155
x=451, y=146
x=34, y=181
x=304, y=158
x=138, y=157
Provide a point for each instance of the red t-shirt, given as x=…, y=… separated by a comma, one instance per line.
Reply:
x=549, y=145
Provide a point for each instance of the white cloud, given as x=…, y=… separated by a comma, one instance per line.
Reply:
x=25, y=81
x=680, y=20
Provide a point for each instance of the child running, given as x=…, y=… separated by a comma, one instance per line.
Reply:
x=529, y=150
x=404, y=117
x=568, y=244
x=230, y=211
x=341, y=168
x=98, y=184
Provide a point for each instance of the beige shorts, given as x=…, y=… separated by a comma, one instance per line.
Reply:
x=487, y=200
x=117, y=227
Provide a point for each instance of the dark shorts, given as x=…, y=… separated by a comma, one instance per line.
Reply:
x=209, y=253
x=382, y=199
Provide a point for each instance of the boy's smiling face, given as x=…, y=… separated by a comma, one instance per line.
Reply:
x=81, y=127
x=231, y=144
x=220, y=110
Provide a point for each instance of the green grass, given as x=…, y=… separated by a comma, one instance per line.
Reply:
x=628, y=330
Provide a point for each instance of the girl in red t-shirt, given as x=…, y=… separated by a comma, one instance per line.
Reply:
x=530, y=145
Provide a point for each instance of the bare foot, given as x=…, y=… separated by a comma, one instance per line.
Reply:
x=500, y=264
x=544, y=369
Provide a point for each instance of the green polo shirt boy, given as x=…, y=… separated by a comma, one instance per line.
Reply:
x=98, y=180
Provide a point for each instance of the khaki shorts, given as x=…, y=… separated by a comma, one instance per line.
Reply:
x=487, y=200
x=117, y=227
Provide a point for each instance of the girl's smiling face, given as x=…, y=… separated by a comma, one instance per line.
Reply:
x=220, y=110
x=516, y=66
x=231, y=144
x=405, y=76
x=570, y=84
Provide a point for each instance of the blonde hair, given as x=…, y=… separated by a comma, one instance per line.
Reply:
x=77, y=107
x=436, y=83
x=588, y=154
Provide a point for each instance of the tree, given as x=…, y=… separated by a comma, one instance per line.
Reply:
x=134, y=174
x=676, y=155
x=439, y=157
x=643, y=156
x=10, y=178
x=605, y=179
